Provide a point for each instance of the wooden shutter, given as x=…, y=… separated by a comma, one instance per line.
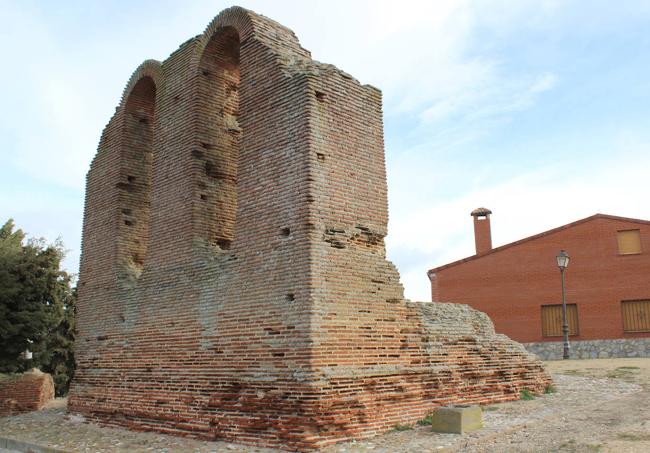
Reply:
x=552, y=320
x=629, y=242
x=636, y=315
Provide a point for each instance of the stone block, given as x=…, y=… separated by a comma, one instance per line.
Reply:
x=457, y=419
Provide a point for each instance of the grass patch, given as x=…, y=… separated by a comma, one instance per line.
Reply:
x=593, y=447
x=633, y=437
x=620, y=372
x=628, y=368
x=526, y=395
x=490, y=408
x=426, y=420
x=400, y=427
x=549, y=389
x=568, y=444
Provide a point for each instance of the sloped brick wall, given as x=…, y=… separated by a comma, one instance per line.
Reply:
x=25, y=392
x=264, y=311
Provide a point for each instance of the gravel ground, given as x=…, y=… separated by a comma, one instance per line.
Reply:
x=600, y=405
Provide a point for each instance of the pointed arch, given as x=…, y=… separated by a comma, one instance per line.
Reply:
x=138, y=108
x=218, y=136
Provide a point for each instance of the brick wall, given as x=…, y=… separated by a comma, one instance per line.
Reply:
x=264, y=310
x=25, y=392
x=512, y=282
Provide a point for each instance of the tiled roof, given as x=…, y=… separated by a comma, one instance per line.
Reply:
x=530, y=238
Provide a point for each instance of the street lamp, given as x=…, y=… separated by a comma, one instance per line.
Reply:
x=563, y=262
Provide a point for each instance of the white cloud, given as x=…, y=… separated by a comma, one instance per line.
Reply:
x=488, y=96
x=419, y=53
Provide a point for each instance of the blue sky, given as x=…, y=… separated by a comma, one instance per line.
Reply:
x=537, y=110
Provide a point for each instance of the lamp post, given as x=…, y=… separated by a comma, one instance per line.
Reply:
x=563, y=262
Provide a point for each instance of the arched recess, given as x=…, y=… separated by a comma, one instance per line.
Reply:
x=135, y=174
x=219, y=137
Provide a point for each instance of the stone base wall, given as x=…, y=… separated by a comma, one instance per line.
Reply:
x=25, y=392
x=592, y=349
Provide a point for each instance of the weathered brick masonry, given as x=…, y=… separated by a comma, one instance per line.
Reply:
x=25, y=392
x=233, y=279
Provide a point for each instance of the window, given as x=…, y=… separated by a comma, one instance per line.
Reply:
x=636, y=315
x=629, y=242
x=552, y=320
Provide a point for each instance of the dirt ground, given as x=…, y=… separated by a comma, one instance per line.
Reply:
x=616, y=426
x=600, y=405
x=622, y=425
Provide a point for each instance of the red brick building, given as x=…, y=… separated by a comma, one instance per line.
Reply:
x=518, y=285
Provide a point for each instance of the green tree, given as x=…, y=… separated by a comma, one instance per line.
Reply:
x=56, y=352
x=36, y=306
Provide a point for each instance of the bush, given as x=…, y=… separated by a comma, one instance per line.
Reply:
x=525, y=394
x=399, y=427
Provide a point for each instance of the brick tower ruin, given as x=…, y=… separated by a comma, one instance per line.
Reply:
x=233, y=280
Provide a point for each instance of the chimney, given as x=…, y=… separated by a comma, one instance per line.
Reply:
x=482, y=232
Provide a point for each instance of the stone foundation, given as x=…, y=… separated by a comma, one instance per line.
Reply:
x=25, y=392
x=592, y=349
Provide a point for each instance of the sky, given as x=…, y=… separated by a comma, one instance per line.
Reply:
x=537, y=110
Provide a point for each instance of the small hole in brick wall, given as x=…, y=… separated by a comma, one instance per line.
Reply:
x=285, y=232
x=124, y=186
x=209, y=168
x=291, y=297
x=320, y=96
x=126, y=211
x=128, y=222
x=223, y=244
x=204, y=196
x=130, y=178
x=205, y=72
x=144, y=120
x=320, y=157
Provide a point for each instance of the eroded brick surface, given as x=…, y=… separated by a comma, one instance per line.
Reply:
x=233, y=280
x=25, y=392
